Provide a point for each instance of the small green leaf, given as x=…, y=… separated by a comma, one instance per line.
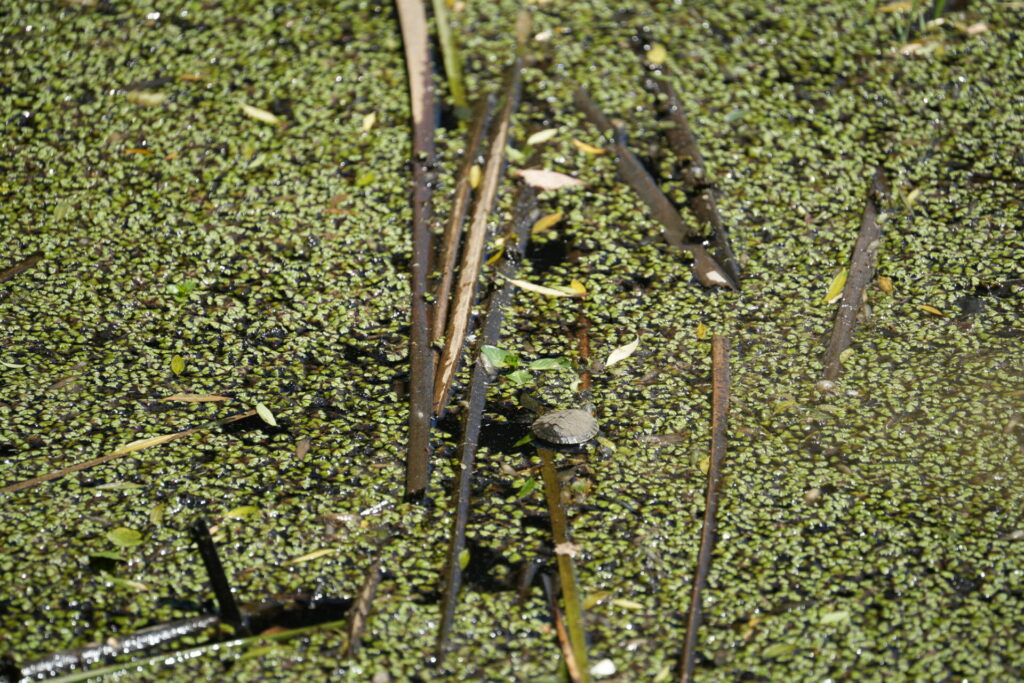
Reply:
x=835, y=617
x=156, y=514
x=463, y=558
x=499, y=358
x=779, y=649
x=124, y=537
x=550, y=364
x=525, y=440
x=242, y=512
x=520, y=377
x=177, y=364
x=266, y=415
x=835, y=290
x=366, y=178
x=527, y=488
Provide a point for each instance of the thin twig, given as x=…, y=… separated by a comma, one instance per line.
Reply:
x=526, y=203
x=720, y=378
x=676, y=232
x=413, y=19
x=464, y=293
x=361, y=609
x=123, y=450
x=563, y=635
x=226, y=604
x=457, y=215
x=564, y=551
x=862, y=264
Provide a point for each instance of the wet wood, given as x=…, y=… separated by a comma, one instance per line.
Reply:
x=464, y=293
x=551, y=592
x=699, y=190
x=413, y=19
x=457, y=216
x=862, y=266
x=676, y=233
x=227, y=607
x=721, y=380
x=524, y=215
x=360, y=611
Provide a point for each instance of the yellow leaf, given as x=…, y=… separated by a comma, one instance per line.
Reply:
x=902, y=6
x=545, y=222
x=628, y=604
x=242, y=512
x=177, y=364
x=369, y=120
x=146, y=443
x=835, y=290
x=702, y=330
x=657, y=54
x=196, y=398
x=266, y=415
x=541, y=289
x=146, y=98
x=541, y=136
x=930, y=309
x=260, y=115
x=475, y=175
x=588, y=149
x=577, y=287
x=622, y=353
x=310, y=556
x=705, y=464
x=885, y=284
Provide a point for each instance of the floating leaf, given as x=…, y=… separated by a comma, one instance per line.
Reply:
x=885, y=284
x=242, y=512
x=195, y=398
x=902, y=6
x=541, y=289
x=514, y=155
x=705, y=464
x=523, y=441
x=779, y=649
x=475, y=175
x=499, y=358
x=588, y=149
x=146, y=98
x=577, y=287
x=177, y=364
x=628, y=604
x=127, y=583
x=930, y=309
x=550, y=364
x=657, y=54
x=369, y=120
x=124, y=537
x=545, y=222
x=156, y=514
x=13, y=366
x=146, y=443
x=266, y=415
x=702, y=330
x=547, y=180
x=519, y=377
x=838, y=616
x=622, y=353
x=365, y=179
x=541, y=136
x=311, y=556
x=260, y=114
x=603, y=668
x=463, y=558
x=527, y=488
x=835, y=290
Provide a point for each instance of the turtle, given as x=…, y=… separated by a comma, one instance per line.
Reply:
x=565, y=427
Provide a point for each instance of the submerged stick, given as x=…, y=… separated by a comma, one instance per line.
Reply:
x=676, y=233
x=21, y=266
x=720, y=378
x=563, y=635
x=226, y=604
x=413, y=19
x=360, y=611
x=526, y=204
x=464, y=293
x=869, y=239
x=701, y=194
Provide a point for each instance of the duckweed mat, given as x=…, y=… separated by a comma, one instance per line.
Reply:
x=212, y=199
